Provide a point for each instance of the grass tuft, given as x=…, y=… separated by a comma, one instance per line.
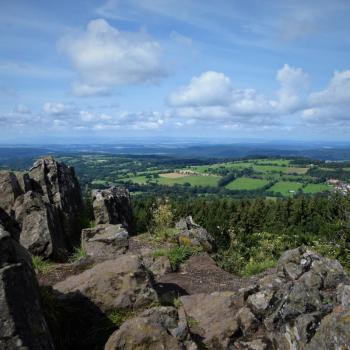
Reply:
x=79, y=253
x=41, y=265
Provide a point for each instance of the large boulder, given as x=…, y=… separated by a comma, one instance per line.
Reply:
x=112, y=206
x=155, y=329
x=22, y=324
x=105, y=241
x=122, y=283
x=212, y=317
x=60, y=187
x=41, y=230
x=192, y=234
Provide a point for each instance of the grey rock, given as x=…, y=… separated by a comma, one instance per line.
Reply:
x=343, y=295
x=122, y=283
x=105, y=241
x=154, y=329
x=41, y=230
x=22, y=324
x=9, y=190
x=60, y=187
x=112, y=206
x=191, y=234
x=212, y=317
x=260, y=302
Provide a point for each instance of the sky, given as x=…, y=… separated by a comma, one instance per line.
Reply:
x=102, y=71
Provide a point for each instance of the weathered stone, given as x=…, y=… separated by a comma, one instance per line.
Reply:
x=9, y=190
x=333, y=332
x=343, y=295
x=112, y=206
x=154, y=329
x=41, y=230
x=247, y=321
x=121, y=283
x=191, y=234
x=260, y=302
x=105, y=241
x=212, y=317
x=22, y=324
x=158, y=265
x=60, y=187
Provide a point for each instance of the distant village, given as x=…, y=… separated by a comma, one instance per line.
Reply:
x=339, y=186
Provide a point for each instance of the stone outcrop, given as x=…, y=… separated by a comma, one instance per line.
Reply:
x=112, y=206
x=105, y=241
x=60, y=187
x=47, y=205
x=9, y=190
x=122, y=283
x=22, y=324
x=192, y=234
x=304, y=305
x=156, y=328
x=41, y=230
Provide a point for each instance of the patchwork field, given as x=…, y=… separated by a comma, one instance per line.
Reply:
x=315, y=188
x=286, y=188
x=246, y=183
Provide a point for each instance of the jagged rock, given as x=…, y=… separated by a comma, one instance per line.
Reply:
x=212, y=317
x=158, y=265
x=105, y=241
x=9, y=224
x=9, y=190
x=343, y=294
x=260, y=302
x=24, y=181
x=155, y=329
x=191, y=234
x=60, y=187
x=121, y=283
x=41, y=231
x=333, y=332
x=112, y=206
x=22, y=324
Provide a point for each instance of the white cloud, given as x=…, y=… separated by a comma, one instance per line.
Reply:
x=56, y=108
x=337, y=92
x=105, y=57
x=213, y=96
x=293, y=82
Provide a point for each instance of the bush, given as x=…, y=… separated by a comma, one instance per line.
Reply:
x=162, y=220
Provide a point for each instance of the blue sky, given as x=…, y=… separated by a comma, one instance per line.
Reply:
x=99, y=71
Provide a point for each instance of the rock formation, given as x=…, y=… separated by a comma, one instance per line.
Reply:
x=47, y=205
x=192, y=234
x=22, y=324
x=112, y=206
x=105, y=241
x=122, y=283
x=60, y=187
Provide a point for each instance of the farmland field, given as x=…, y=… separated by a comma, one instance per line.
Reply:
x=246, y=183
x=315, y=188
x=285, y=187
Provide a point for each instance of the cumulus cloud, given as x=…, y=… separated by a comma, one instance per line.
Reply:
x=213, y=96
x=105, y=57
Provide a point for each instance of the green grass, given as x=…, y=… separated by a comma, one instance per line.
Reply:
x=284, y=187
x=79, y=252
x=177, y=255
x=42, y=266
x=316, y=188
x=119, y=316
x=193, y=180
x=255, y=267
x=246, y=183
